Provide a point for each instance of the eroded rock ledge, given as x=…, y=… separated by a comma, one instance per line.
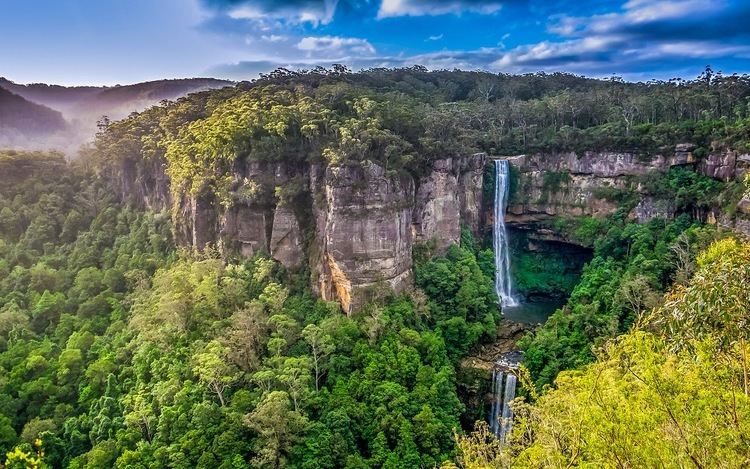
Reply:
x=353, y=225
x=568, y=184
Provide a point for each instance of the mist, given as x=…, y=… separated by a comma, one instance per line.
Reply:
x=71, y=114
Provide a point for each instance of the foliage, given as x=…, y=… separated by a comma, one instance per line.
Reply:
x=461, y=299
x=686, y=189
x=403, y=119
x=549, y=271
x=655, y=397
x=632, y=265
x=119, y=351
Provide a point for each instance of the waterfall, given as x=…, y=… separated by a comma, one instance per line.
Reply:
x=503, y=392
x=497, y=387
x=506, y=418
x=503, y=281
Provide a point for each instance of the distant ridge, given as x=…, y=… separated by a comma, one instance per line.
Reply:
x=54, y=96
x=34, y=116
x=23, y=117
x=75, y=99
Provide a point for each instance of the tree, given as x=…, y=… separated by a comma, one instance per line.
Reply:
x=321, y=345
x=210, y=365
x=278, y=427
x=140, y=413
x=247, y=335
x=294, y=373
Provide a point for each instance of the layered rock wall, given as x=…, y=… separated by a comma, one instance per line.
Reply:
x=363, y=231
x=569, y=184
x=354, y=225
x=555, y=184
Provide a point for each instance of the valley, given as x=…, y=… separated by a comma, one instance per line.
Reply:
x=388, y=268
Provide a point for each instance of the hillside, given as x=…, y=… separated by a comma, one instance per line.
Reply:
x=54, y=96
x=25, y=118
x=84, y=106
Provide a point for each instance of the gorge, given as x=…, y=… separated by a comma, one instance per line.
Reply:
x=303, y=271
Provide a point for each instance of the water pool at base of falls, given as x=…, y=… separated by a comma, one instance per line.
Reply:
x=532, y=312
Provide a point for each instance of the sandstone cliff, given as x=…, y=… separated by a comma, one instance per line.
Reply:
x=353, y=225
x=569, y=184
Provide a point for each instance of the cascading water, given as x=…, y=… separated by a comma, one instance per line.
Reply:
x=506, y=422
x=503, y=281
x=503, y=378
x=503, y=392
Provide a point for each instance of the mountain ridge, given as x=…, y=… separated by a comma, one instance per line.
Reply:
x=79, y=108
x=21, y=119
x=60, y=97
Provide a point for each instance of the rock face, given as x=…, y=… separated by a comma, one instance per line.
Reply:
x=363, y=231
x=438, y=203
x=726, y=165
x=588, y=184
x=451, y=191
x=286, y=238
x=354, y=225
x=576, y=185
x=650, y=207
x=143, y=182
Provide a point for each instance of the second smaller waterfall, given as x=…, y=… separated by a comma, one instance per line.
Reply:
x=504, y=384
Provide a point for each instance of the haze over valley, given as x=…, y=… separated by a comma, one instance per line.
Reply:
x=52, y=117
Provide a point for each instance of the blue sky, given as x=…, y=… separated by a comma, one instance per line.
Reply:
x=125, y=41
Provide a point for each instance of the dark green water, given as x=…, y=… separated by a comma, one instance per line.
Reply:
x=533, y=312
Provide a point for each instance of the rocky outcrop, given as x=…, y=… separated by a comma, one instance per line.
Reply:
x=569, y=185
x=286, y=238
x=363, y=231
x=485, y=355
x=729, y=165
x=470, y=194
x=597, y=164
x=650, y=207
x=583, y=185
x=437, y=205
x=368, y=221
x=353, y=225
x=451, y=191
x=142, y=182
x=726, y=165
x=592, y=183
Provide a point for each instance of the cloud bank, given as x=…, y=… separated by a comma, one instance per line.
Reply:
x=628, y=38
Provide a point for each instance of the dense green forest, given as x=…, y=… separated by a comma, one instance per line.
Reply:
x=671, y=392
x=120, y=349
x=404, y=119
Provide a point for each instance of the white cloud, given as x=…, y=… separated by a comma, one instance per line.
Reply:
x=335, y=44
x=315, y=12
x=635, y=14
x=274, y=38
x=702, y=49
x=644, y=35
x=395, y=8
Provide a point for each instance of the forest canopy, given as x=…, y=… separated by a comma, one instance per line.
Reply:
x=120, y=349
